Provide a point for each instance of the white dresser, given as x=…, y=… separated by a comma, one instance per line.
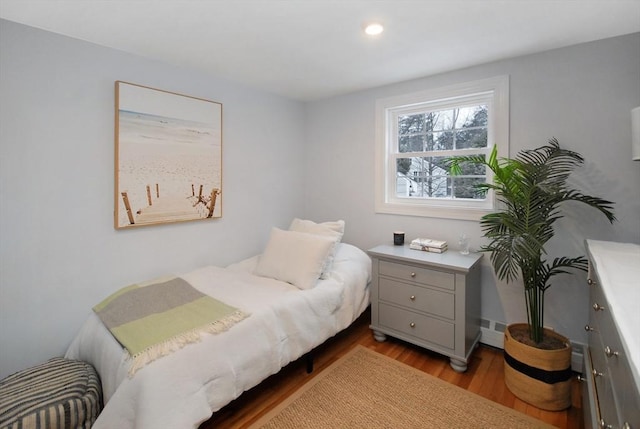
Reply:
x=611, y=392
x=428, y=299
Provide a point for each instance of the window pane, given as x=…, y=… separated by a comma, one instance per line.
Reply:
x=430, y=120
x=463, y=187
x=403, y=165
x=411, y=143
x=468, y=169
x=404, y=187
x=428, y=177
x=411, y=124
x=422, y=177
x=431, y=143
x=469, y=139
x=463, y=117
x=459, y=128
x=475, y=116
x=442, y=141
x=442, y=120
x=434, y=187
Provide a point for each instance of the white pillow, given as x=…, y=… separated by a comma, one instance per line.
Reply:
x=334, y=229
x=324, y=228
x=294, y=257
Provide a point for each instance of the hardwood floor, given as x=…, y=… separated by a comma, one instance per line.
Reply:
x=484, y=377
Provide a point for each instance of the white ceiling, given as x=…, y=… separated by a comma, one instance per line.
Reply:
x=312, y=49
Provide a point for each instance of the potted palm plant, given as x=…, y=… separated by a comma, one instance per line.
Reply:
x=530, y=188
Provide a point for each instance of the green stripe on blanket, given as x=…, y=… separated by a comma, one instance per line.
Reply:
x=153, y=320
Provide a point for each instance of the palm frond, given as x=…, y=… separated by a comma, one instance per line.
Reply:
x=532, y=186
x=559, y=266
x=604, y=206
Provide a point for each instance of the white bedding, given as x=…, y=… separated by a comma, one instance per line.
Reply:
x=183, y=389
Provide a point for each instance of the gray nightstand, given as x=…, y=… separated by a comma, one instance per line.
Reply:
x=428, y=299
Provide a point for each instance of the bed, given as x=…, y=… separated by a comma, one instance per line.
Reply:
x=286, y=319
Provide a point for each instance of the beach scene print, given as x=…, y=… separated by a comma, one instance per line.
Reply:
x=169, y=157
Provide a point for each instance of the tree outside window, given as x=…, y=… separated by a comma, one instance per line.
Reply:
x=435, y=131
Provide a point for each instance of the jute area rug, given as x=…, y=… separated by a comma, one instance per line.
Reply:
x=365, y=389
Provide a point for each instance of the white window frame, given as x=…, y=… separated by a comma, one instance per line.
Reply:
x=494, y=92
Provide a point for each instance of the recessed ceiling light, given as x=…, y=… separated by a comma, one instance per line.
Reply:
x=373, y=29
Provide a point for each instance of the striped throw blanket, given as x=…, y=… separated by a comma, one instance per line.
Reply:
x=154, y=319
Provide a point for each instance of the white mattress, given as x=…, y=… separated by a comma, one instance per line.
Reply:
x=183, y=389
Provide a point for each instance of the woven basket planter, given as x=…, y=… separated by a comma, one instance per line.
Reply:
x=539, y=377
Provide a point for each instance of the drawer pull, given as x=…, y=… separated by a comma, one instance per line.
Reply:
x=588, y=328
x=590, y=282
x=412, y=297
x=413, y=274
x=604, y=425
x=596, y=373
x=581, y=378
x=609, y=352
x=413, y=325
x=598, y=307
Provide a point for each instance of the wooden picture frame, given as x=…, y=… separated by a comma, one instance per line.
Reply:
x=168, y=157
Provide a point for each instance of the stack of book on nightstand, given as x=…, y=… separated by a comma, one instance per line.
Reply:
x=428, y=245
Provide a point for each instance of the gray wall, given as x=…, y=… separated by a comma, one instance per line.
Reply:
x=581, y=95
x=59, y=252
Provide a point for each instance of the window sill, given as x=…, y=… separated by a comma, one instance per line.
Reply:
x=446, y=212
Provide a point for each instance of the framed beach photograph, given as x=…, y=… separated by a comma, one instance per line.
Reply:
x=168, y=157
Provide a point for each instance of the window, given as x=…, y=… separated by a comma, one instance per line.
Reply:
x=416, y=133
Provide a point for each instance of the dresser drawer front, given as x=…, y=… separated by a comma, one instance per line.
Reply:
x=598, y=307
x=613, y=356
x=602, y=376
x=590, y=406
x=417, y=325
x=418, y=298
x=630, y=408
x=416, y=274
x=604, y=388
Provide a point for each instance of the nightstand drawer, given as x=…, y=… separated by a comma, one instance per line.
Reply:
x=417, y=325
x=418, y=298
x=417, y=274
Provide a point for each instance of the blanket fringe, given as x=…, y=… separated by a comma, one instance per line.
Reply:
x=141, y=359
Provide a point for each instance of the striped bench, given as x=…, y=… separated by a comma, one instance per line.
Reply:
x=58, y=394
